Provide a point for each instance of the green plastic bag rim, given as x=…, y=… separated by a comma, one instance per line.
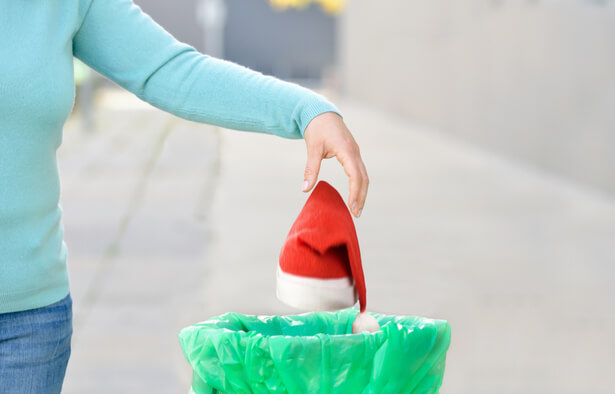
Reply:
x=407, y=323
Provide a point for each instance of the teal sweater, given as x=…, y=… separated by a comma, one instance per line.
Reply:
x=38, y=40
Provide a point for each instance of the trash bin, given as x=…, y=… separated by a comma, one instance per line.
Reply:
x=315, y=353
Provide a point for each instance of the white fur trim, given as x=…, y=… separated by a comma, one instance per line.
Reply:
x=314, y=294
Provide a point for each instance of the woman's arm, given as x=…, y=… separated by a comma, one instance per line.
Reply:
x=121, y=42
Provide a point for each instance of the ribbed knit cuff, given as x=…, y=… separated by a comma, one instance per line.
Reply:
x=313, y=109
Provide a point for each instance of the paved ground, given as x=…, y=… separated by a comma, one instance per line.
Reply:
x=170, y=222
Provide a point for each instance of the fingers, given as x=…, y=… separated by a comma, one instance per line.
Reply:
x=358, y=180
x=355, y=183
x=364, y=186
x=312, y=168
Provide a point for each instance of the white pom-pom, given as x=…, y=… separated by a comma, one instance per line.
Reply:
x=364, y=322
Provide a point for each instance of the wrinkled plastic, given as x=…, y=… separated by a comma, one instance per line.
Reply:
x=315, y=353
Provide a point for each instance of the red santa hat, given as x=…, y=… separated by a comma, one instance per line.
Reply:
x=320, y=263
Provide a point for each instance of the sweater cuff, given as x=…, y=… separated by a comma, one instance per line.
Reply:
x=312, y=110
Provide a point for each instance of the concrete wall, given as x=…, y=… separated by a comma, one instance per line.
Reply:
x=535, y=79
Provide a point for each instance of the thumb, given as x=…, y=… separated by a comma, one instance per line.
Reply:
x=310, y=176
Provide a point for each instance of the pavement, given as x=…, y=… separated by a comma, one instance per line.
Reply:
x=170, y=222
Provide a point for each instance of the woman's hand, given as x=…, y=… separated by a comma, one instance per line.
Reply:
x=327, y=136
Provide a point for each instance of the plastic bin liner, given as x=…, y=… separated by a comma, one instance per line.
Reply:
x=315, y=353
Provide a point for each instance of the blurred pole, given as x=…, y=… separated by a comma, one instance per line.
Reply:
x=212, y=15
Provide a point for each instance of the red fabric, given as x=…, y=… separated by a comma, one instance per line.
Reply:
x=322, y=243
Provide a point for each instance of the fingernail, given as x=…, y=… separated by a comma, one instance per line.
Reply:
x=305, y=185
x=360, y=212
x=354, y=205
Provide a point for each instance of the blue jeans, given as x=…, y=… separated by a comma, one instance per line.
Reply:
x=34, y=348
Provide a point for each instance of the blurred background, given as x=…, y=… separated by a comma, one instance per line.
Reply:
x=488, y=131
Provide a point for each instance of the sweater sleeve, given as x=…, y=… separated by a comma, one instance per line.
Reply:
x=123, y=43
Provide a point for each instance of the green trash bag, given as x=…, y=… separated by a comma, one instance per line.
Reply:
x=315, y=353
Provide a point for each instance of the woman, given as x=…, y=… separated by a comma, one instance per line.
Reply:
x=38, y=40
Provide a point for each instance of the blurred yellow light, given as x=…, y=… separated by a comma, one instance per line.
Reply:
x=329, y=6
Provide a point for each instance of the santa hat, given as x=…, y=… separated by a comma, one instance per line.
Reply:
x=320, y=262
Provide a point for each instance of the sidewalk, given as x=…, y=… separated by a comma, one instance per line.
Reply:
x=170, y=222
